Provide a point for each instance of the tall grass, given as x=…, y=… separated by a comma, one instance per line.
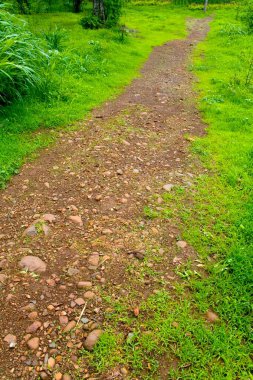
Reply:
x=20, y=58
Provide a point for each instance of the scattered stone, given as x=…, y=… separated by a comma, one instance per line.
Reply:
x=30, y=231
x=33, y=315
x=168, y=187
x=33, y=343
x=177, y=260
x=119, y=172
x=80, y=301
x=27, y=337
x=139, y=255
x=69, y=326
x=45, y=229
x=89, y=295
x=107, y=231
x=66, y=377
x=85, y=320
x=58, y=376
x=212, y=317
x=92, y=339
x=175, y=324
x=181, y=244
x=136, y=311
x=84, y=284
x=124, y=371
x=49, y=218
x=58, y=359
x=11, y=340
x=94, y=259
x=51, y=363
x=44, y=375
x=33, y=264
x=76, y=219
x=33, y=327
x=63, y=320
x=50, y=282
x=3, y=278
x=3, y=264
x=73, y=271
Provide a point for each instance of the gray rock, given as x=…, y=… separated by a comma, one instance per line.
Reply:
x=33, y=343
x=92, y=339
x=33, y=264
x=181, y=244
x=11, y=340
x=73, y=271
x=31, y=231
x=94, y=259
x=3, y=278
x=168, y=187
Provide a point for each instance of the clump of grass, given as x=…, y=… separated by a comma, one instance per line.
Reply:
x=55, y=38
x=20, y=58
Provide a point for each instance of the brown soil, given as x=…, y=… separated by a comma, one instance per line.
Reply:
x=106, y=172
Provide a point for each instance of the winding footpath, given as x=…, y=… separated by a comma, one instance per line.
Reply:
x=70, y=221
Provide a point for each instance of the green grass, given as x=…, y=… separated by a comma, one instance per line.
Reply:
x=92, y=66
x=216, y=217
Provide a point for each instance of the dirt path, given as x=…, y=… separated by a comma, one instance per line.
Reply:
x=94, y=184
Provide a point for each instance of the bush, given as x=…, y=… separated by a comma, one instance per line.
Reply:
x=247, y=17
x=20, y=58
x=91, y=22
x=106, y=15
x=112, y=11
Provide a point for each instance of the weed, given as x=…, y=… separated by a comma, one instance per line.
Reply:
x=55, y=39
x=20, y=58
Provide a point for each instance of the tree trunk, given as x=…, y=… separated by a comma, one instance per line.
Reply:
x=205, y=5
x=77, y=6
x=99, y=9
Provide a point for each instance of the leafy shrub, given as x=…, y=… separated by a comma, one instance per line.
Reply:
x=40, y=6
x=247, y=16
x=55, y=39
x=91, y=22
x=106, y=15
x=112, y=11
x=233, y=30
x=21, y=58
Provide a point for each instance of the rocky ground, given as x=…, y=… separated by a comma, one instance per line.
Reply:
x=72, y=220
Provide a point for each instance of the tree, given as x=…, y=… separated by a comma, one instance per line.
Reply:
x=23, y=6
x=77, y=5
x=205, y=5
x=99, y=9
x=106, y=13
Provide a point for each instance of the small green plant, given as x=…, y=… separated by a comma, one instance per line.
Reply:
x=150, y=213
x=21, y=58
x=55, y=39
x=91, y=22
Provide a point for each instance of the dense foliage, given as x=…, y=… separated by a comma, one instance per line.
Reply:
x=21, y=58
x=247, y=16
x=105, y=13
